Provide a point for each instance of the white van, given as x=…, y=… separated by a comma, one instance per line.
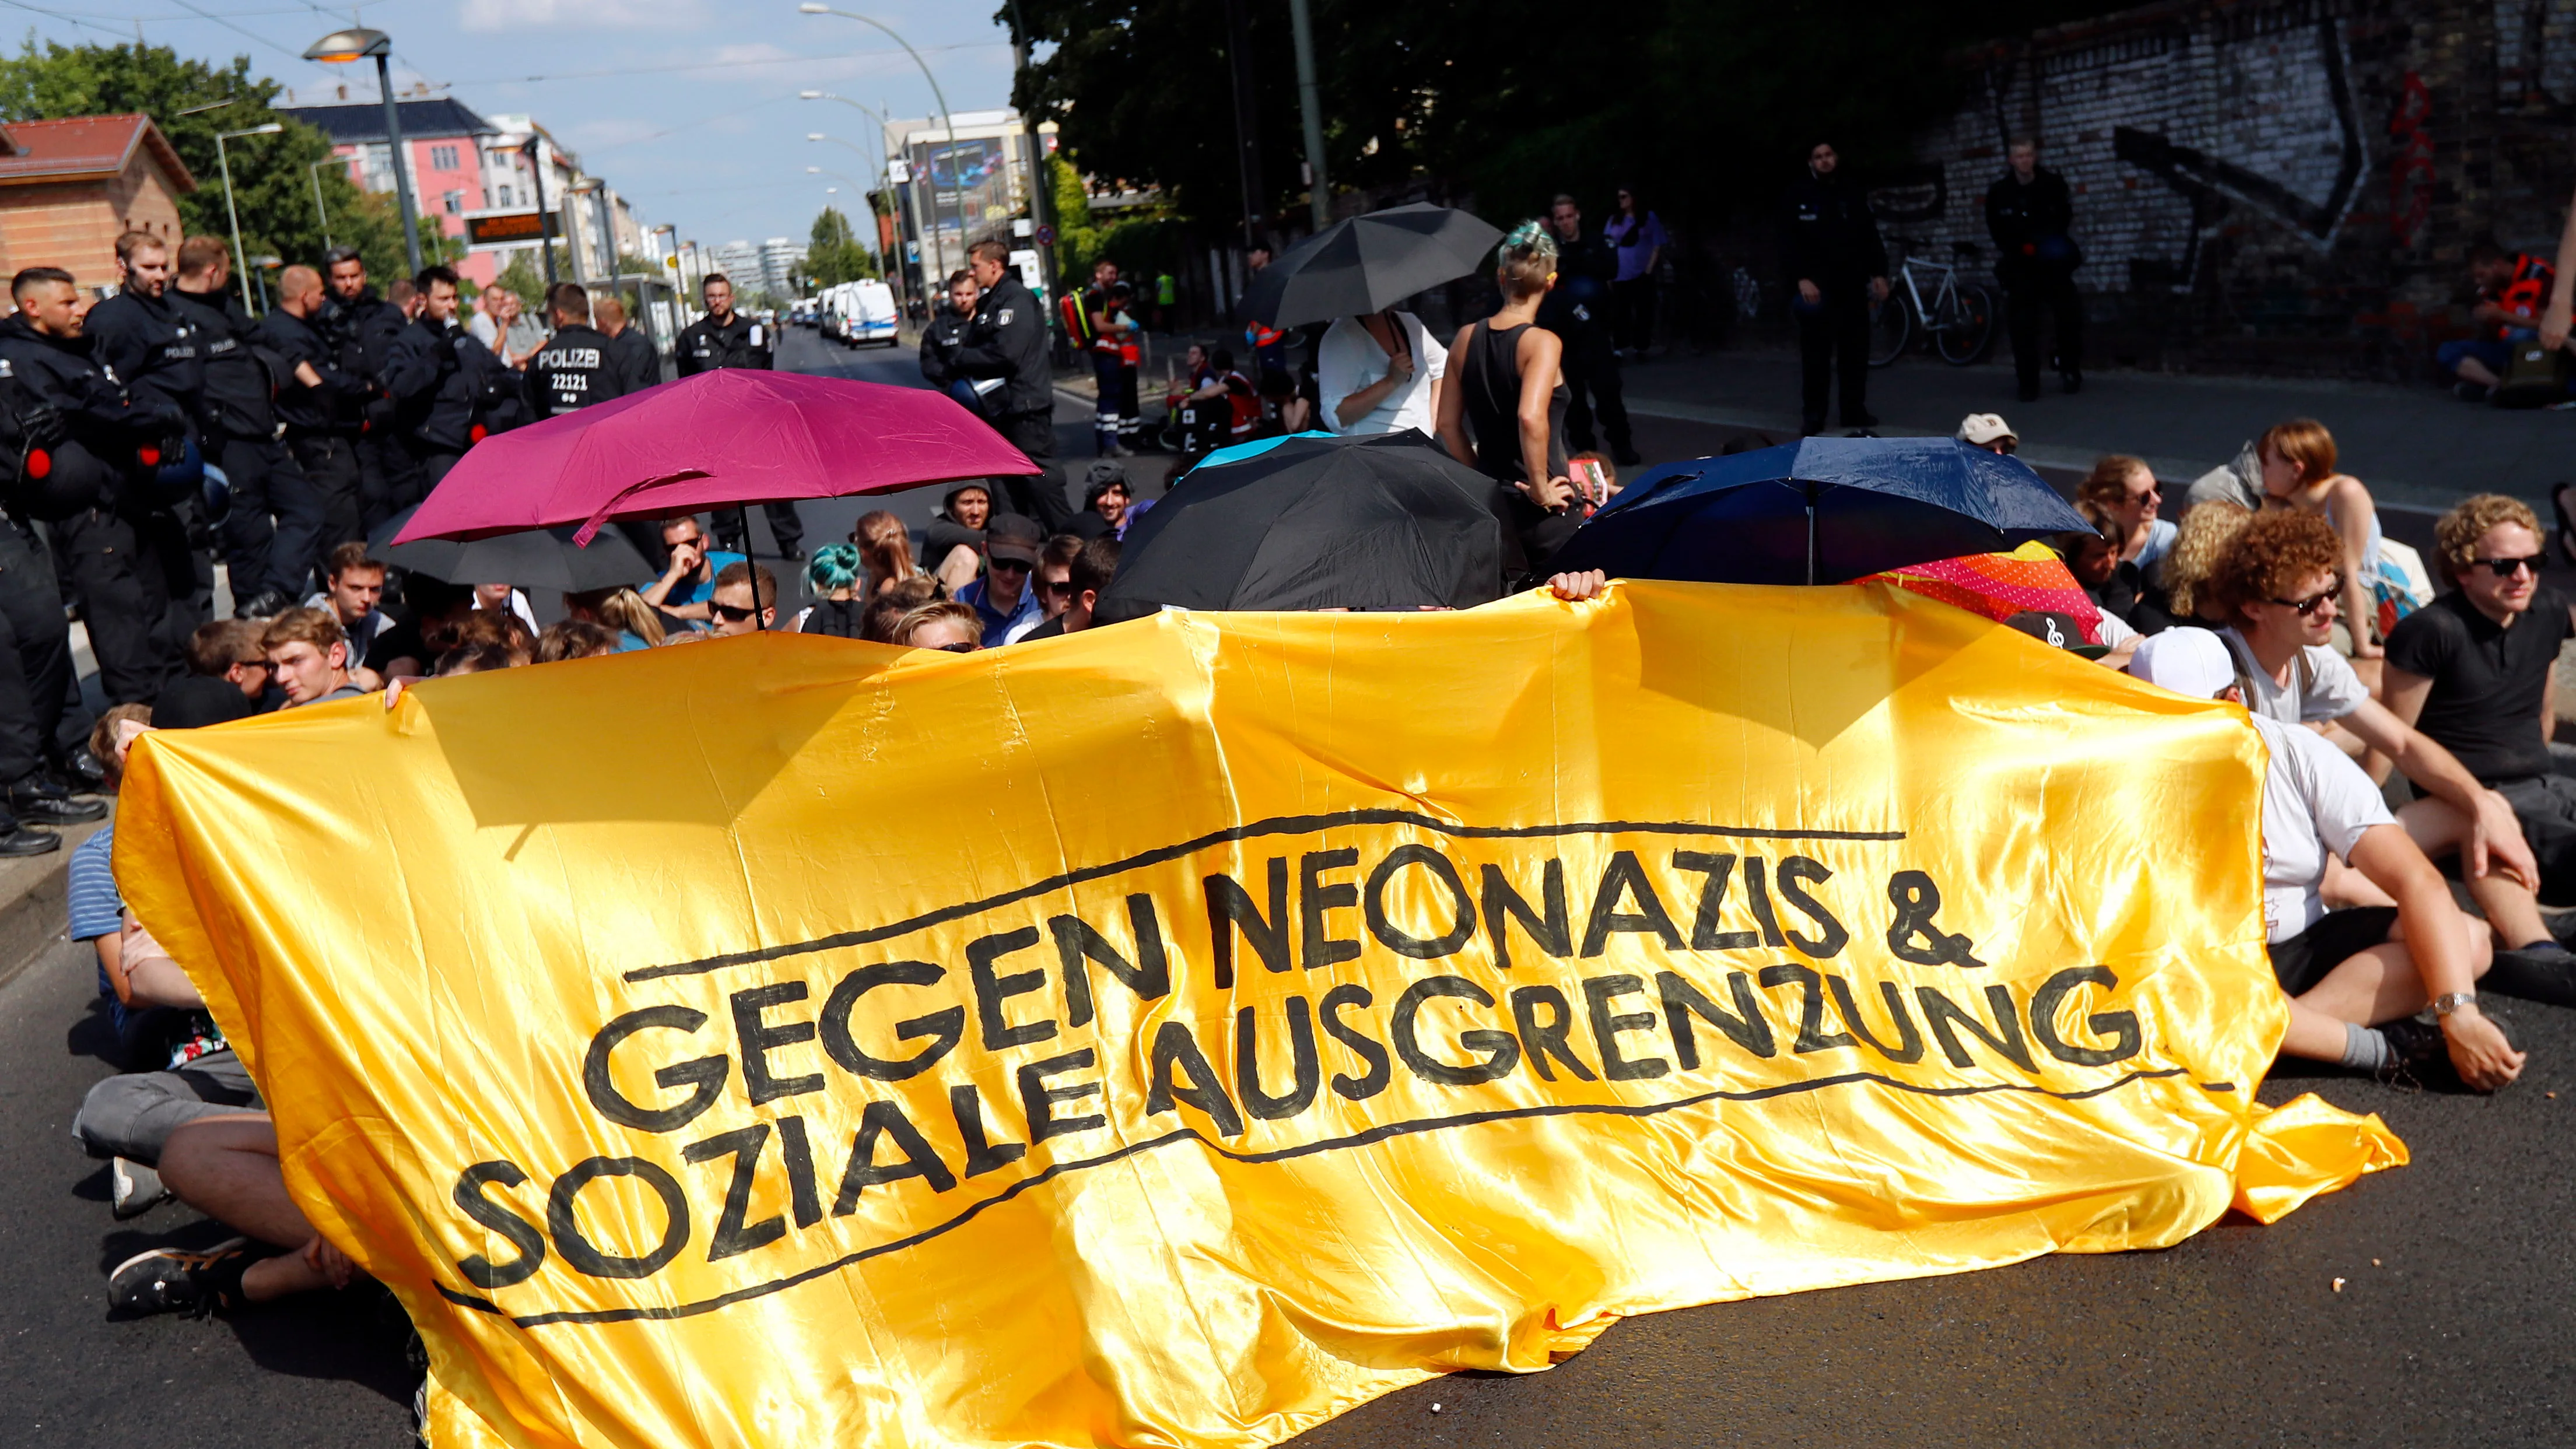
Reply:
x=872, y=315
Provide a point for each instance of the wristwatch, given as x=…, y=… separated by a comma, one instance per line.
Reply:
x=2451, y=1001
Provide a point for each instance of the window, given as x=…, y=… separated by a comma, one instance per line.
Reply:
x=442, y=158
x=453, y=202
x=503, y=199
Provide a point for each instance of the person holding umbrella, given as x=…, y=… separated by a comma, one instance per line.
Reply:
x=1510, y=391
x=1380, y=373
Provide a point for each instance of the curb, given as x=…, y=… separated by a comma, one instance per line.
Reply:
x=33, y=897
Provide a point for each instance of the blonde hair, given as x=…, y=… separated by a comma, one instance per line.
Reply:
x=625, y=609
x=2205, y=534
x=885, y=546
x=934, y=612
x=2457, y=532
x=1525, y=261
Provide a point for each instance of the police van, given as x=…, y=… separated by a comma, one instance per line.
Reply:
x=861, y=312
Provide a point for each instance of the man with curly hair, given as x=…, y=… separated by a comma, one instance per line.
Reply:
x=2279, y=584
x=2472, y=671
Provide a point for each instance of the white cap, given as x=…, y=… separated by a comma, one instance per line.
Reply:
x=1983, y=428
x=2192, y=662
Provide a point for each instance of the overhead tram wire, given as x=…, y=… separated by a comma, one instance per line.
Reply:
x=495, y=80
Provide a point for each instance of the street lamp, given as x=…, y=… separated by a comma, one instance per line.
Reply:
x=265, y=264
x=946, y=121
x=885, y=169
x=315, y=171
x=343, y=46
x=232, y=213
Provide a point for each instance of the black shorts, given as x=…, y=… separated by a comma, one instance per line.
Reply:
x=2305, y=959
x=2546, y=806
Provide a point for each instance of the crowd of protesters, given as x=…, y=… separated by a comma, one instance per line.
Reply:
x=2278, y=589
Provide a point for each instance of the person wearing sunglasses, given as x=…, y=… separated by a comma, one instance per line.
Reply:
x=2280, y=586
x=1002, y=597
x=2471, y=670
x=941, y=624
x=729, y=605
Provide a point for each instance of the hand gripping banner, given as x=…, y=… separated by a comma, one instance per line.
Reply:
x=1181, y=1032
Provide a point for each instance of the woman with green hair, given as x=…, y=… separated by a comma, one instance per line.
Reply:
x=834, y=574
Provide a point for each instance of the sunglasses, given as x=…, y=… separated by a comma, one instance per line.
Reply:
x=2305, y=607
x=729, y=613
x=2505, y=568
x=262, y=665
x=1015, y=565
x=1056, y=586
x=960, y=647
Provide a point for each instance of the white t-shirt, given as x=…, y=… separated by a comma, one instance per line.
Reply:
x=2322, y=685
x=2316, y=802
x=1349, y=360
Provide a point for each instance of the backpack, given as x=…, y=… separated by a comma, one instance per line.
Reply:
x=2535, y=375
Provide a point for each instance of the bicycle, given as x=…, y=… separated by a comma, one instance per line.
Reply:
x=1958, y=317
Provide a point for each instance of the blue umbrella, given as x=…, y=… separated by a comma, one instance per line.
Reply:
x=1826, y=509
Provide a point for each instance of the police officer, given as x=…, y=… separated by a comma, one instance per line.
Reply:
x=237, y=427
x=112, y=535
x=361, y=327
x=1839, y=267
x=1007, y=340
x=2029, y=211
x=944, y=334
x=318, y=402
x=637, y=363
x=1577, y=310
x=573, y=370
x=726, y=338
x=435, y=375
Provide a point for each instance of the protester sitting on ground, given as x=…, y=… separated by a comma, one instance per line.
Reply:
x=1003, y=597
x=2125, y=492
x=1105, y=496
x=479, y=659
x=1285, y=408
x=1504, y=381
x=1053, y=584
x=504, y=598
x=1595, y=478
x=887, y=607
x=2298, y=460
x=2348, y=972
x=574, y=639
x=885, y=552
x=2277, y=582
x=1089, y=573
x=2472, y=672
x=353, y=590
x=227, y=1168
x=1990, y=432
x=432, y=609
x=2513, y=287
x=229, y=650
x=731, y=600
x=309, y=656
x=2093, y=557
x=2199, y=543
x=682, y=590
x=623, y=610
x=835, y=574
x=953, y=545
x=156, y=1013
x=941, y=624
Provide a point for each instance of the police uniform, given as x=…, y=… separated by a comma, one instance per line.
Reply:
x=1577, y=310
x=156, y=351
x=322, y=426
x=572, y=371
x=707, y=345
x=1007, y=339
x=274, y=529
x=362, y=332
x=433, y=379
x=40, y=711
x=2035, y=259
x=125, y=554
x=637, y=363
x=1833, y=242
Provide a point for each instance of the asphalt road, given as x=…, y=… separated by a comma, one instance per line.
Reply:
x=2451, y=1330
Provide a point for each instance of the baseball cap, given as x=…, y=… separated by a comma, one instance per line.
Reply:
x=2055, y=629
x=1013, y=536
x=2191, y=662
x=1983, y=428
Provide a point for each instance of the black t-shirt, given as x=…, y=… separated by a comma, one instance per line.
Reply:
x=2488, y=681
x=402, y=641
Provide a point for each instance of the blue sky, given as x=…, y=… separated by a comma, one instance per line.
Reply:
x=688, y=107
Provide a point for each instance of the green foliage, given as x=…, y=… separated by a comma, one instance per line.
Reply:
x=631, y=265
x=521, y=276
x=1077, y=241
x=274, y=176
x=834, y=253
x=1708, y=106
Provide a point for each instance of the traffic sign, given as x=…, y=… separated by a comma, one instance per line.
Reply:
x=1046, y=235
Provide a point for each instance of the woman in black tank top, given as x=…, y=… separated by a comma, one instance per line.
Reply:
x=1505, y=385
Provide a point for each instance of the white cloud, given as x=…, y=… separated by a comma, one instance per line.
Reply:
x=492, y=15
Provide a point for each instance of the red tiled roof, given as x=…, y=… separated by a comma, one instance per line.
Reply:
x=80, y=147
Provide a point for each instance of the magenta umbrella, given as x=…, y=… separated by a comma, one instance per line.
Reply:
x=717, y=440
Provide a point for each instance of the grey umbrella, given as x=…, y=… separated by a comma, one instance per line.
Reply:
x=1369, y=263
x=540, y=558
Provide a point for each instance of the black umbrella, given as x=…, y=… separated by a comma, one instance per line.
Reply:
x=1387, y=521
x=541, y=558
x=1369, y=263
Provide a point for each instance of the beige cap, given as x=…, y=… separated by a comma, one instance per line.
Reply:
x=1983, y=428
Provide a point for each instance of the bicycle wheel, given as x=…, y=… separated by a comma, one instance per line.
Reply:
x=1891, y=330
x=1968, y=318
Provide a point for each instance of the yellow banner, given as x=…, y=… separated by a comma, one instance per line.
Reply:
x=1182, y=1032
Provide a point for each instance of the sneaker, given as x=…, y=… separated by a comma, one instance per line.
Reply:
x=2422, y=1056
x=2544, y=971
x=168, y=1280
x=133, y=1189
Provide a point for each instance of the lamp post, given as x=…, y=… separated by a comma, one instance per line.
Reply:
x=315, y=172
x=946, y=121
x=342, y=46
x=885, y=162
x=262, y=265
x=1310, y=110
x=232, y=213
x=536, y=151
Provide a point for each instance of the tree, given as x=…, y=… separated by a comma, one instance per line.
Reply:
x=833, y=252
x=274, y=175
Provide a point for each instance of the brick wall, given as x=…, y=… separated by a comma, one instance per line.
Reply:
x=74, y=225
x=2273, y=185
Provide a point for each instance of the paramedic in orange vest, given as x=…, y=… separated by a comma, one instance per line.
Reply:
x=2513, y=288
